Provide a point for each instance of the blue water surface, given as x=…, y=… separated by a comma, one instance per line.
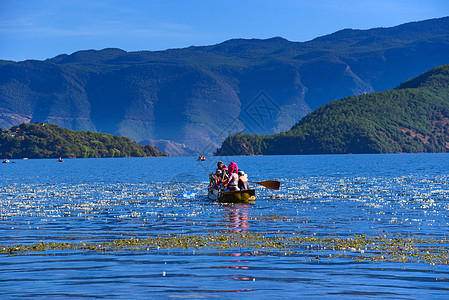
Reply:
x=98, y=200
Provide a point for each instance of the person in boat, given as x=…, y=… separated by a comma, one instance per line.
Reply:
x=232, y=182
x=222, y=169
x=60, y=159
x=6, y=161
x=221, y=166
x=243, y=180
x=216, y=178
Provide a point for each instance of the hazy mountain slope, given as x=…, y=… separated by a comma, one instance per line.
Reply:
x=197, y=96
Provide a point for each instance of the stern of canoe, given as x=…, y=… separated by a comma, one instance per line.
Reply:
x=245, y=196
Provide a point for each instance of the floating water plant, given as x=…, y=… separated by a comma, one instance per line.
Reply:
x=359, y=248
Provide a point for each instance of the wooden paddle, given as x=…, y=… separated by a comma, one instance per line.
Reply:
x=269, y=184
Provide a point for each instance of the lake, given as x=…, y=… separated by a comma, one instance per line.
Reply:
x=340, y=226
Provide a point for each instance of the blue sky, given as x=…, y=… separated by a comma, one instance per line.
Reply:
x=31, y=29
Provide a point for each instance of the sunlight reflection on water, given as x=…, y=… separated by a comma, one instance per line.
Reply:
x=106, y=199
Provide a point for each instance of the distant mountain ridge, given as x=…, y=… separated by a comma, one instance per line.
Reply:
x=414, y=117
x=189, y=100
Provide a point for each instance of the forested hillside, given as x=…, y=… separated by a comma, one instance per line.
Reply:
x=49, y=141
x=414, y=117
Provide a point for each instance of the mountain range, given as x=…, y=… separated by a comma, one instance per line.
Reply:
x=187, y=101
x=414, y=117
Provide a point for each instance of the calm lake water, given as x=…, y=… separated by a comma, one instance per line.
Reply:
x=94, y=201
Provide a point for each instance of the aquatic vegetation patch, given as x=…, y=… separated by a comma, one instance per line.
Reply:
x=359, y=248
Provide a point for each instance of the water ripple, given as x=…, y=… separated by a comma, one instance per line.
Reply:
x=338, y=196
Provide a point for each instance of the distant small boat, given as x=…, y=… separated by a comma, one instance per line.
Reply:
x=60, y=159
x=244, y=196
x=5, y=161
x=201, y=158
